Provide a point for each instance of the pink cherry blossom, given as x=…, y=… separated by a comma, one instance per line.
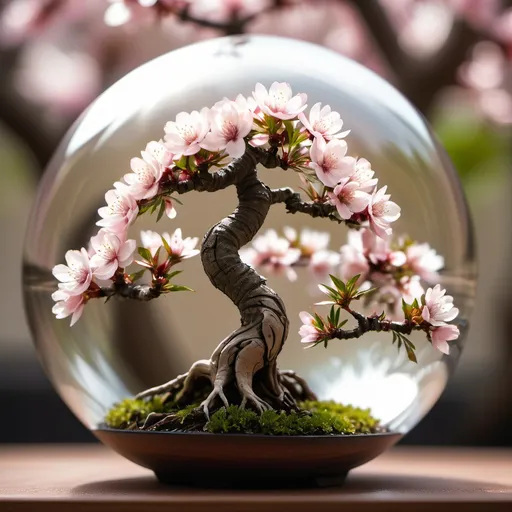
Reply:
x=67, y=305
x=348, y=198
x=322, y=263
x=229, y=125
x=323, y=122
x=160, y=153
x=442, y=334
x=308, y=332
x=309, y=241
x=111, y=253
x=145, y=178
x=152, y=241
x=76, y=276
x=411, y=288
x=281, y=263
x=330, y=162
x=382, y=211
x=224, y=10
x=278, y=100
x=363, y=175
x=170, y=211
x=273, y=253
x=183, y=136
x=181, y=248
x=121, y=210
x=424, y=261
x=378, y=250
x=353, y=259
x=438, y=308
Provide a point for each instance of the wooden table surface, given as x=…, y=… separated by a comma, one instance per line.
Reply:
x=93, y=478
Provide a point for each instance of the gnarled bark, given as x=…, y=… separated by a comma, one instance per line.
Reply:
x=243, y=367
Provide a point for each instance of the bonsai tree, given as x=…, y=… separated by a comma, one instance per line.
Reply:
x=221, y=147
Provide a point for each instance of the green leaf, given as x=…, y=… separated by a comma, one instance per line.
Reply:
x=331, y=316
x=289, y=131
x=338, y=283
x=319, y=321
x=337, y=317
x=145, y=253
x=166, y=245
x=181, y=163
x=332, y=292
x=409, y=348
x=173, y=274
x=161, y=211
x=360, y=294
x=176, y=288
x=137, y=275
x=351, y=283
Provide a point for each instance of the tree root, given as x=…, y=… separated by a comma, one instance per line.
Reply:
x=281, y=395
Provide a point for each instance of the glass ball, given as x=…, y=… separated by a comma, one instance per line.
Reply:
x=119, y=348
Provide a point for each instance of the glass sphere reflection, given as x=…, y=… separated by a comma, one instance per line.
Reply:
x=119, y=348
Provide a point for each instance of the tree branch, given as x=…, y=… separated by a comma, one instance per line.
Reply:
x=366, y=324
x=380, y=28
x=233, y=26
x=141, y=292
x=295, y=204
x=419, y=79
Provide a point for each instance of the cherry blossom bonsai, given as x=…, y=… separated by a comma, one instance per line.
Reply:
x=221, y=147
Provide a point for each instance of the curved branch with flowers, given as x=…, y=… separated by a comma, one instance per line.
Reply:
x=221, y=147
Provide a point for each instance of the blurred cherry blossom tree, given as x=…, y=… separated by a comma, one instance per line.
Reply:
x=58, y=55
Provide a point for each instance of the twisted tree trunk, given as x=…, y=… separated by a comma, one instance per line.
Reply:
x=243, y=368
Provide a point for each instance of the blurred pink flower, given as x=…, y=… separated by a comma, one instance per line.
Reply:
x=424, y=261
x=224, y=10
x=63, y=81
x=353, y=259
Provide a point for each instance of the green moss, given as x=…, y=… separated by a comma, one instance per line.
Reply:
x=316, y=418
x=132, y=410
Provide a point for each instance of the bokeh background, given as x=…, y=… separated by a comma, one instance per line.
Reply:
x=452, y=59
